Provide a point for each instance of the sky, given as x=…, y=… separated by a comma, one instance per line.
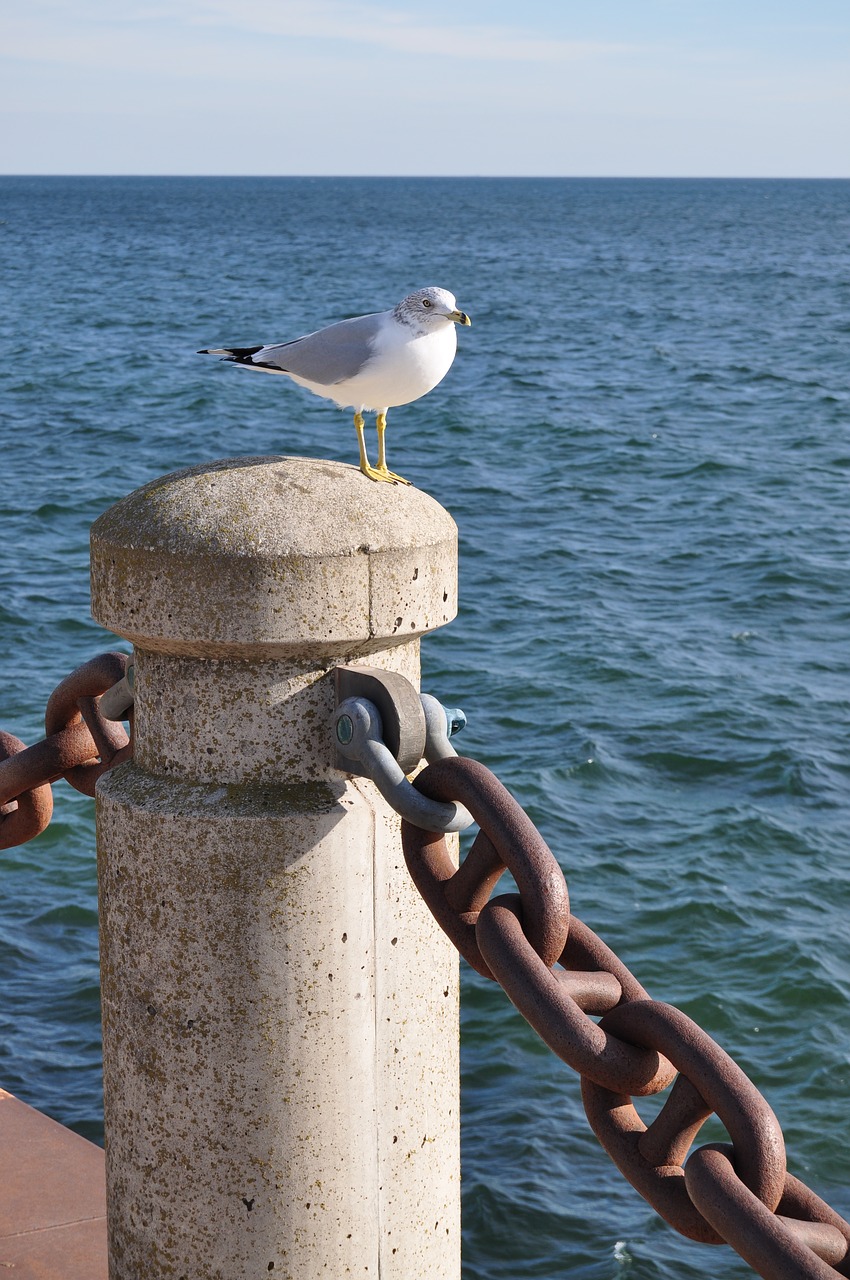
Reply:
x=652, y=88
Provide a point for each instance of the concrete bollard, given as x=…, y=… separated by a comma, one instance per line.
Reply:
x=280, y=1011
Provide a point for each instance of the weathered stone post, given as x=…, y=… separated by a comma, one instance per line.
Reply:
x=280, y=1013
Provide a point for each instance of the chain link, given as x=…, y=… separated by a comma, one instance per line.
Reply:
x=559, y=975
x=81, y=744
x=26, y=814
x=510, y=840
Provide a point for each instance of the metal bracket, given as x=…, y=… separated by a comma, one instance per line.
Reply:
x=416, y=728
x=400, y=709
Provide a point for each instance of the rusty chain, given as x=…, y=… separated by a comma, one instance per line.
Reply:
x=80, y=744
x=560, y=975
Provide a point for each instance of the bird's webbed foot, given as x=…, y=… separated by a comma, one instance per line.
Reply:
x=384, y=474
x=378, y=473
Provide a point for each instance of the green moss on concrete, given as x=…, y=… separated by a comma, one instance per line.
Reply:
x=129, y=784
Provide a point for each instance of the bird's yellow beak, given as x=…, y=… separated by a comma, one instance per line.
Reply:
x=459, y=317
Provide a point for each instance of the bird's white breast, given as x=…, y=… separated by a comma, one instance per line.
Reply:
x=405, y=365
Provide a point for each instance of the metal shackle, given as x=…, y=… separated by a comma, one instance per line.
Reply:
x=359, y=737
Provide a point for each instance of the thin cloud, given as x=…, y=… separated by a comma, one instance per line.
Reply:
x=394, y=30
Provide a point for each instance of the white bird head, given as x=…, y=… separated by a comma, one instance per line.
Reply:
x=430, y=309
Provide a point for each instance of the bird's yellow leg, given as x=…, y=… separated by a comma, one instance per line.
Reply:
x=381, y=424
x=367, y=470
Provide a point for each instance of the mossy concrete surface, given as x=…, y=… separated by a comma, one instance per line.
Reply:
x=273, y=555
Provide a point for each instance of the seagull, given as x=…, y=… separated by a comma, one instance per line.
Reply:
x=372, y=362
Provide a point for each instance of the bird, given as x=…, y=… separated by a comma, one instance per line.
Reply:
x=370, y=363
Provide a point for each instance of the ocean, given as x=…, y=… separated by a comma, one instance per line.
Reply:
x=645, y=442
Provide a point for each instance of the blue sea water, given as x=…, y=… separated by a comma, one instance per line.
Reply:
x=645, y=441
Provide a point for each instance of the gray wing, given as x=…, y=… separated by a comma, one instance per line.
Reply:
x=327, y=356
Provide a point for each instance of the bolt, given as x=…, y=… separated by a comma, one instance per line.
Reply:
x=344, y=730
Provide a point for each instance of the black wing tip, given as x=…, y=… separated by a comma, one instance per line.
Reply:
x=237, y=355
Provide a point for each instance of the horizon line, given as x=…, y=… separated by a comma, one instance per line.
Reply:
x=457, y=177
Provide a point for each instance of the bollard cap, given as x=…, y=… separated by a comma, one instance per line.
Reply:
x=268, y=556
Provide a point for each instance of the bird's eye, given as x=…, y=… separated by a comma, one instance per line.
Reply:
x=426, y=302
